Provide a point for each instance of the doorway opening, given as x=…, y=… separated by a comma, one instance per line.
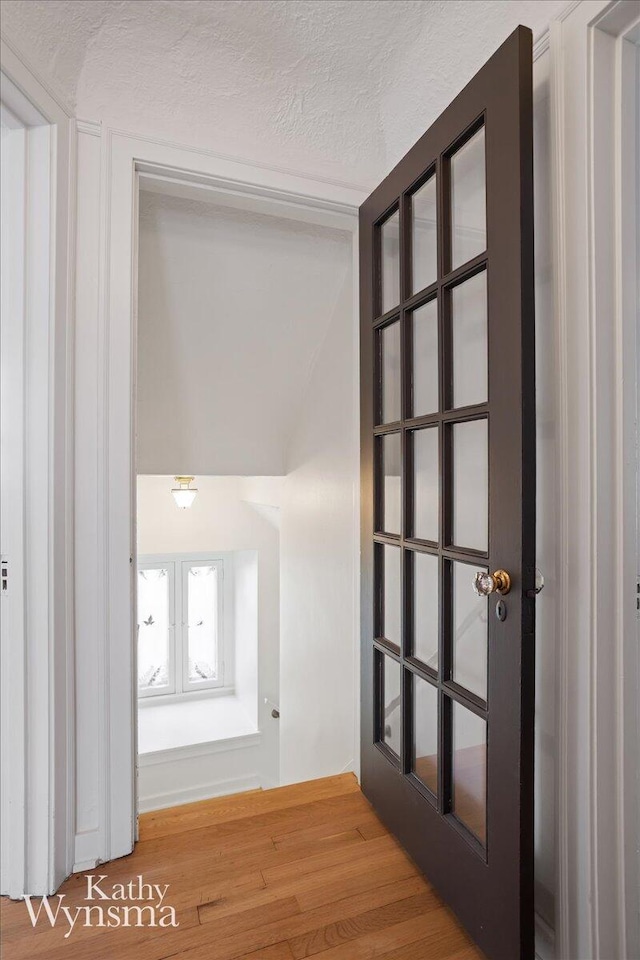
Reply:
x=245, y=392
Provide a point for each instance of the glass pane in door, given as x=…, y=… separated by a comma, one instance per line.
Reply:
x=390, y=397
x=424, y=239
x=426, y=487
x=425, y=733
x=471, y=485
x=391, y=720
x=390, y=254
x=390, y=476
x=470, y=770
x=390, y=620
x=202, y=603
x=470, y=638
x=425, y=608
x=153, y=630
x=424, y=380
x=468, y=201
x=469, y=335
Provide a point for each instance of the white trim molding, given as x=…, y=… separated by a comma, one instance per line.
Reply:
x=594, y=884
x=90, y=523
x=204, y=791
x=38, y=89
x=41, y=723
x=90, y=127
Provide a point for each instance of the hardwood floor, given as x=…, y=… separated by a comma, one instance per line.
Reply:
x=300, y=871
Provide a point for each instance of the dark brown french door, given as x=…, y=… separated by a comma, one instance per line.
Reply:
x=448, y=493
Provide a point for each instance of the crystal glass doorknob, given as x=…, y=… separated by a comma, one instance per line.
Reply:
x=485, y=583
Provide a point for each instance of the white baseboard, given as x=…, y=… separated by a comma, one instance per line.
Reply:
x=168, y=778
x=205, y=791
x=82, y=866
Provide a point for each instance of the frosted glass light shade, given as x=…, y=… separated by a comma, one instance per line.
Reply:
x=183, y=494
x=184, y=498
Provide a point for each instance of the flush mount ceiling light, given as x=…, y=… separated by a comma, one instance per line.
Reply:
x=183, y=494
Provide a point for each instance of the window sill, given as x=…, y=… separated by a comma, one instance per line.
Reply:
x=166, y=699
x=184, y=723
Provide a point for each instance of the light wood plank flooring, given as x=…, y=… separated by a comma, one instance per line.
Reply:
x=300, y=871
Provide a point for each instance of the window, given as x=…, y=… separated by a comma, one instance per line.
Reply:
x=180, y=625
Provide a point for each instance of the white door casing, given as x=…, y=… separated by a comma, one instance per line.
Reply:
x=597, y=667
x=111, y=165
x=37, y=657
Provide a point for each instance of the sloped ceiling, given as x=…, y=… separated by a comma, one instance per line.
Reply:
x=332, y=88
x=233, y=309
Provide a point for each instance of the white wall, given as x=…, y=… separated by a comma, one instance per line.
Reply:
x=319, y=643
x=221, y=520
x=232, y=308
x=246, y=618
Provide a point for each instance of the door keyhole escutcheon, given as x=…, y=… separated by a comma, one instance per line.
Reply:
x=485, y=583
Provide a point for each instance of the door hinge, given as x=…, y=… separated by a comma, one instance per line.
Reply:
x=5, y=576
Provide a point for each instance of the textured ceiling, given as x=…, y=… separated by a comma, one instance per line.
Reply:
x=332, y=88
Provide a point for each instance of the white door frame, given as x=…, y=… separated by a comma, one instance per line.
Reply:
x=37, y=652
x=597, y=736
x=190, y=173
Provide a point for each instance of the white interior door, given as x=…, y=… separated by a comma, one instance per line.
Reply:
x=12, y=545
